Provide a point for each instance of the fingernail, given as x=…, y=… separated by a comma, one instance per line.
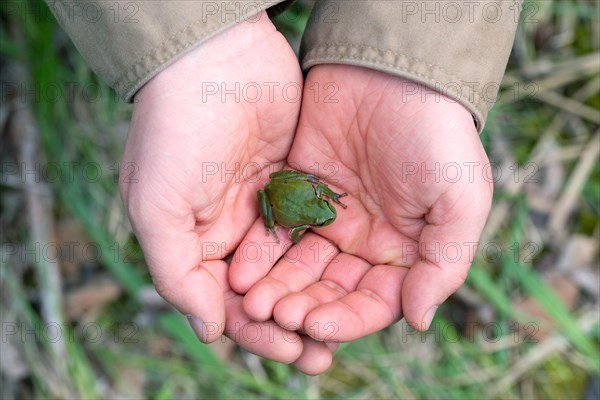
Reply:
x=429, y=317
x=198, y=327
x=332, y=346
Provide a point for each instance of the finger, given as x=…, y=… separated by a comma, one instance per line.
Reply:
x=166, y=229
x=447, y=247
x=316, y=357
x=208, y=329
x=341, y=276
x=256, y=255
x=374, y=305
x=265, y=339
x=188, y=283
x=302, y=265
x=432, y=280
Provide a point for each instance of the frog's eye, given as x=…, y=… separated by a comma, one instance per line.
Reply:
x=285, y=182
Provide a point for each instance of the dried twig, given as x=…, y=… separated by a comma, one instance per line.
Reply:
x=562, y=74
x=539, y=153
x=563, y=207
x=546, y=348
x=572, y=106
x=41, y=224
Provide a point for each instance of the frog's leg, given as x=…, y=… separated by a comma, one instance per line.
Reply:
x=289, y=175
x=322, y=189
x=313, y=179
x=297, y=231
x=266, y=212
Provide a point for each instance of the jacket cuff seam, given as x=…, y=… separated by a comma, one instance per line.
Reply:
x=318, y=55
x=168, y=51
x=131, y=81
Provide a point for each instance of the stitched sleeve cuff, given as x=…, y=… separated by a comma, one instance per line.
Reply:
x=457, y=48
x=128, y=42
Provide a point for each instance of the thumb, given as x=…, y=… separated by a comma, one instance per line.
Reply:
x=446, y=248
x=183, y=275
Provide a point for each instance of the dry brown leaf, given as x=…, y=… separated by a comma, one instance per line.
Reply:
x=71, y=239
x=580, y=251
x=564, y=289
x=89, y=297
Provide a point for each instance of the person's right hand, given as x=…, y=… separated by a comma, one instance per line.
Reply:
x=194, y=125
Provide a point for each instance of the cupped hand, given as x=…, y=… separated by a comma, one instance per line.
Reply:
x=200, y=132
x=418, y=189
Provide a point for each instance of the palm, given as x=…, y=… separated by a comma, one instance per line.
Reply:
x=369, y=144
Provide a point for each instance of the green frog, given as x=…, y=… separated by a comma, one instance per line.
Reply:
x=297, y=201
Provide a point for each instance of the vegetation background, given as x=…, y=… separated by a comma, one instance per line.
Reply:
x=80, y=318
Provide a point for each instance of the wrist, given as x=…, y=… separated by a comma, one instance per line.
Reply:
x=207, y=60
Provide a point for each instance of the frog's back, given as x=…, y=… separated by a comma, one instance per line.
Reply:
x=299, y=207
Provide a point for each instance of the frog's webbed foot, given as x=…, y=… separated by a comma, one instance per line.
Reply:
x=322, y=189
x=271, y=231
x=337, y=197
x=296, y=232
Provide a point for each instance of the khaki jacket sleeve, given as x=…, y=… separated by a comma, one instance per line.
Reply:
x=128, y=42
x=459, y=48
